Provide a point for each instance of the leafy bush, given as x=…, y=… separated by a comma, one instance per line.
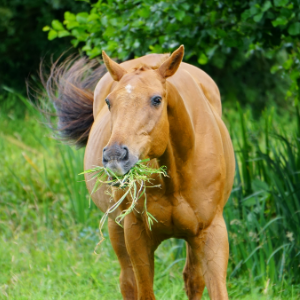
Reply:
x=222, y=34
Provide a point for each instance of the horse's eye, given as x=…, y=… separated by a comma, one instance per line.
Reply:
x=156, y=100
x=107, y=102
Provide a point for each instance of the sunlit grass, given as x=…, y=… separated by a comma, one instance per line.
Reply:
x=46, y=264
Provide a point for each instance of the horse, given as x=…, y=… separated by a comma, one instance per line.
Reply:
x=168, y=111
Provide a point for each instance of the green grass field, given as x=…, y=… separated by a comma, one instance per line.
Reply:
x=48, y=231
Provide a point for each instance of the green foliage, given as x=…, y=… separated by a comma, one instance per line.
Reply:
x=23, y=43
x=223, y=34
x=262, y=212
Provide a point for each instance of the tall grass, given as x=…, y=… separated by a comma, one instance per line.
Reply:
x=40, y=172
x=263, y=212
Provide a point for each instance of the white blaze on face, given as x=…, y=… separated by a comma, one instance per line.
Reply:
x=129, y=88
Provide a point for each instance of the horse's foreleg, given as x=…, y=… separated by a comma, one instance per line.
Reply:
x=141, y=251
x=127, y=278
x=211, y=249
x=192, y=275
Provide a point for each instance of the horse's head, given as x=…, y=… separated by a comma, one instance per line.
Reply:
x=138, y=108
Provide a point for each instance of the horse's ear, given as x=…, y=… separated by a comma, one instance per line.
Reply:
x=170, y=66
x=115, y=70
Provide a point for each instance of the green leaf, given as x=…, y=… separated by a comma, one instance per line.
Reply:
x=210, y=52
x=267, y=5
x=179, y=15
x=222, y=33
x=185, y=6
x=69, y=16
x=57, y=25
x=92, y=17
x=144, y=12
x=112, y=45
x=71, y=24
x=275, y=68
x=202, y=59
x=86, y=48
x=288, y=63
x=136, y=44
x=254, y=10
x=258, y=17
x=279, y=21
x=82, y=17
x=109, y=32
x=246, y=14
x=52, y=35
x=80, y=34
x=114, y=21
x=63, y=33
x=46, y=28
x=294, y=29
x=156, y=48
x=280, y=3
x=258, y=185
x=104, y=21
x=95, y=52
x=75, y=42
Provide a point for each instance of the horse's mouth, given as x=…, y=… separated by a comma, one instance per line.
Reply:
x=117, y=182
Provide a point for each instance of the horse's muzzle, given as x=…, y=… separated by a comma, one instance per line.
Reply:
x=118, y=159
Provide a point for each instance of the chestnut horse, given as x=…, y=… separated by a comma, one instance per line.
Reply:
x=160, y=108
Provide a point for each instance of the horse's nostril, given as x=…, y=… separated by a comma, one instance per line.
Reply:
x=115, y=152
x=105, y=157
x=126, y=153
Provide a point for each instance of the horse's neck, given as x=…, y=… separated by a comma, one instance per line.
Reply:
x=181, y=141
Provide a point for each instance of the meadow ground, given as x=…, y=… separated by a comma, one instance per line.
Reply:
x=48, y=232
x=44, y=264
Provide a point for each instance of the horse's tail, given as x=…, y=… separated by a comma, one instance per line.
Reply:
x=70, y=87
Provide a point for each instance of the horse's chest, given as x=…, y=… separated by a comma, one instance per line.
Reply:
x=174, y=215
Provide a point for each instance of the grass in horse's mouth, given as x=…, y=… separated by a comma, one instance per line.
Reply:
x=133, y=184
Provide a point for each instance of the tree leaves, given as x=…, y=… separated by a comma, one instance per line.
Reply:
x=126, y=28
x=129, y=24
